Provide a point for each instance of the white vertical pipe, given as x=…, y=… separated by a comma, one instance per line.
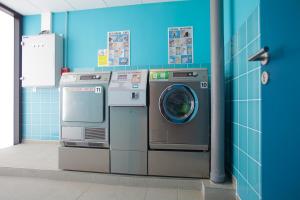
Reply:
x=217, y=173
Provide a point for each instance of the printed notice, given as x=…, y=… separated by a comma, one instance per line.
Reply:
x=102, y=58
x=119, y=48
x=180, y=45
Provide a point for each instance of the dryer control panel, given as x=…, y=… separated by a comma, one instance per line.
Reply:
x=85, y=78
x=128, y=88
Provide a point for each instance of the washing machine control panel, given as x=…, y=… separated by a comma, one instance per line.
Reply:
x=128, y=88
x=178, y=75
x=185, y=74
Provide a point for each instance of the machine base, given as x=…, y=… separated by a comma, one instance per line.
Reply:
x=178, y=164
x=83, y=159
x=129, y=162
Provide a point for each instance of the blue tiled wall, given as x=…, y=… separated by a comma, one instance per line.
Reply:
x=87, y=33
x=40, y=114
x=243, y=108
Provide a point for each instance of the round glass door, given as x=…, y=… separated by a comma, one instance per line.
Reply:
x=178, y=104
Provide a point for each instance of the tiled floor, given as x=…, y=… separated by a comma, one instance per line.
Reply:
x=31, y=155
x=30, y=171
x=16, y=188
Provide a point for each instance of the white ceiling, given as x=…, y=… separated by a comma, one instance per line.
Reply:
x=30, y=7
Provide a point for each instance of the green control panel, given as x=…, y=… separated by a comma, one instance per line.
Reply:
x=162, y=75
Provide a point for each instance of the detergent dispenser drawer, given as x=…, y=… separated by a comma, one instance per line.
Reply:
x=83, y=104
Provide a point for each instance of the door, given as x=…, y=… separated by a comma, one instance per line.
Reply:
x=178, y=104
x=280, y=31
x=9, y=81
x=83, y=104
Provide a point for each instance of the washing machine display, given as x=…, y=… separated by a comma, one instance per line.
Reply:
x=178, y=104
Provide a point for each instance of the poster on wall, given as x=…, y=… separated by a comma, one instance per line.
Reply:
x=118, y=48
x=180, y=41
x=102, y=58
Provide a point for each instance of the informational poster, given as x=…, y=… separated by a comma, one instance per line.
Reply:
x=181, y=45
x=118, y=48
x=102, y=58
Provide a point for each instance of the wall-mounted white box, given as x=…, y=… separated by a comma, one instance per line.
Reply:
x=42, y=59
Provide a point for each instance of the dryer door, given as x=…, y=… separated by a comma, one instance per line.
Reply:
x=83, y=104
x=178, y=104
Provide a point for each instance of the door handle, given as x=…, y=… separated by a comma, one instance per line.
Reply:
x=262, y=55
x=22, y=78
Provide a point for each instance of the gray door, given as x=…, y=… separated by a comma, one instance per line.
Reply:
x=83, y=104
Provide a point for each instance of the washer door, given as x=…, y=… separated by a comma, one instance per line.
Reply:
x=178, y=104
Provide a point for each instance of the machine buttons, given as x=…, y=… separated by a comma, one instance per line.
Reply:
x=134, y=95
x=164, y=75
x=135, y=86
x=97, y=77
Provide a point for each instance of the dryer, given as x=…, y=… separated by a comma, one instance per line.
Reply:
x=179, y=123
x=84, y=119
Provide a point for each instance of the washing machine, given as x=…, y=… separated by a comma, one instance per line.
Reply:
x=84, y=123
x=179, y=125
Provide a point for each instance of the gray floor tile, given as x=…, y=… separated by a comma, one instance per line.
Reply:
x=189, y=195
x=131, y=193
x=30, y=189
x=161, y=194
x=100, y=192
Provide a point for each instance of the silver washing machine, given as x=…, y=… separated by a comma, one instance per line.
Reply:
x=179, y=123
x=84, y=119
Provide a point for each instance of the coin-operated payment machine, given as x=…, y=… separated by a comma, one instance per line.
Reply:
x=127, y=94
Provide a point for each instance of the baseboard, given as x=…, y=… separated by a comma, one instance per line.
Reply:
x=27, y=141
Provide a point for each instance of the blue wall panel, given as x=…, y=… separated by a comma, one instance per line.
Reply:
x=235, y=14
x=243, y=97
x=148, y=24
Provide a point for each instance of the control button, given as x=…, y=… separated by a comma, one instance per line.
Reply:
x=135, y=86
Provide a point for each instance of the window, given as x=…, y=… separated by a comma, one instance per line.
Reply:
x=9, y=70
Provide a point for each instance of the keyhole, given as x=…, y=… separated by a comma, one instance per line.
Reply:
x=265, y=78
